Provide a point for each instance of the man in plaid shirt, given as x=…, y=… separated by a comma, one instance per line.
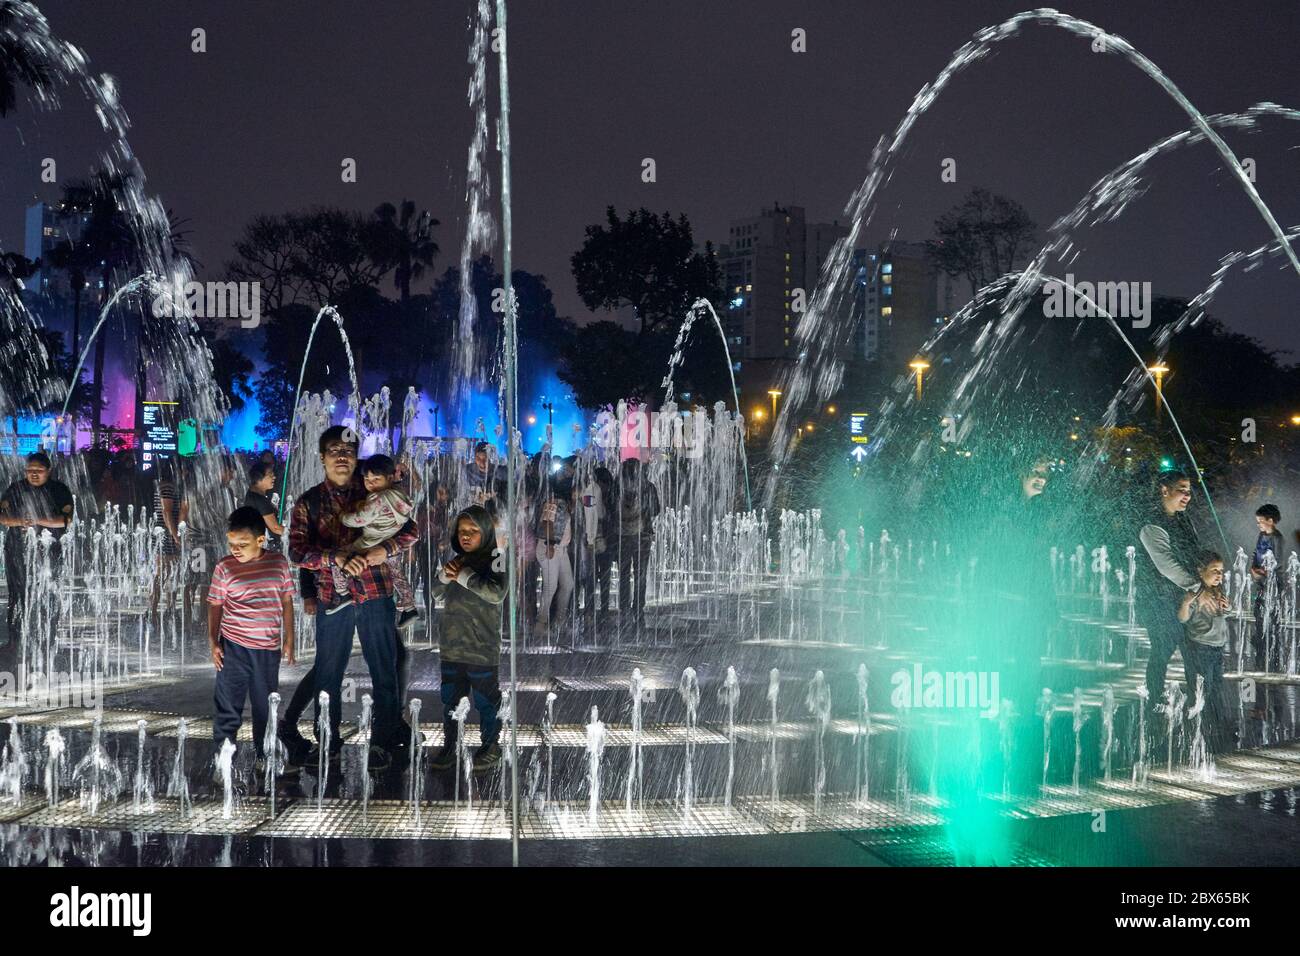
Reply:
x=319, y=539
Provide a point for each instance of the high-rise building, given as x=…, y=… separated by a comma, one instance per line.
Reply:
x=896, y=302
x=49, y=290
x=900, y=302
x=761, y=262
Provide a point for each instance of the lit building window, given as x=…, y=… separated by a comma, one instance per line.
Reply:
x=887, y=310
x=887, y=268
x=748, y=288
x=887, y=279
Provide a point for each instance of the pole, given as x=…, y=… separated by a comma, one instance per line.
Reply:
x=512, y=415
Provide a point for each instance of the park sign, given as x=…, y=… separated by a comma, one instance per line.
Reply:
x=858, y=428
x=158, y=439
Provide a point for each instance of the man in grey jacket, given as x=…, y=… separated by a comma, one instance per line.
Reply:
x=1170, y=544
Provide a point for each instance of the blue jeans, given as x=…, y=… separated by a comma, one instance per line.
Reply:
x=480, y=682
x=376, y=623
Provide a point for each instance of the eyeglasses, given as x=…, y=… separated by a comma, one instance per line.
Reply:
x=341, y=451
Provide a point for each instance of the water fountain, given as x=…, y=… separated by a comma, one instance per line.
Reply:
x=13, y=765
x=273, y=748
x=729, y=696
x=595, y=751
x=1199, y=762
x=54, y=749
x=1173, y=709
x=96, y=774
x=1076, y=711
x=1108, y=729
x=1046, y=706
x=458, y=715
x=862, y=736
x=415, y=793
x=711, y=562
x=818, y=702
x=179, y=785
x=547, y=726
x=363, y=730
x=323, y=750
x=773, y=691
x=634, y=785
x=142, y=797
x=226, y=775
x=689, y=690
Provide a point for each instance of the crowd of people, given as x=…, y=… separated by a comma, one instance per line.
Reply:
x=358, y=541
x=363, y=535
x=1181, y=602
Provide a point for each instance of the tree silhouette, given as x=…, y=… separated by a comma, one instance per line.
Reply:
x=405, y=241
x=648, y=262
x=982, y=238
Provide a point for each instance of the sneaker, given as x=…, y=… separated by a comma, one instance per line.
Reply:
x=487, y=757
x=444, y=760
x=313, y=756
x=378, y=760
x=296, y=747
x=407, y=616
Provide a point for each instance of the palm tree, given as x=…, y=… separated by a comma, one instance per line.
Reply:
x=74, y=256
x=405, y=242
x=22, y=60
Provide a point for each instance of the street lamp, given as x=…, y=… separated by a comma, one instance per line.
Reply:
x=919, y=365
x=775, y=393
x=1158, y=370
x=1295, y=419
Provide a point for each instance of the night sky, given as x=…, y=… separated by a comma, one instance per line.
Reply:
x=711, y=91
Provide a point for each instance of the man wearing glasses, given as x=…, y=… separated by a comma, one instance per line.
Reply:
x=318, y=539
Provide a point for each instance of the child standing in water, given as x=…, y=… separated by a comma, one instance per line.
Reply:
x=250, y=627
x=473, y=588
x=1203, y=615
x=380, y=515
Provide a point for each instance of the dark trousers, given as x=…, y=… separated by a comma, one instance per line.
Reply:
x=376, y=623
x=15, y=553
x=16, y=579
x=633, y=556
x=479, y=682
x=305, y=692
x=1208, y=663
x=593, y=579
x=246, y=673
x=1166, y=636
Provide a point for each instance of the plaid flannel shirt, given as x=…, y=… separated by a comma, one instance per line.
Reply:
x=315, y=545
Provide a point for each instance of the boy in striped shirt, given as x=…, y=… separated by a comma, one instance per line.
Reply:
x=250, y=603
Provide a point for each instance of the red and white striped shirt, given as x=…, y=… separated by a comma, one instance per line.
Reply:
x=250, y=595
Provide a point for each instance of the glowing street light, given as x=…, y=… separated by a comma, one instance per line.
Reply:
x=919, y=365
x=775, y=393
x=1295, y=419
x=1159, y=370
